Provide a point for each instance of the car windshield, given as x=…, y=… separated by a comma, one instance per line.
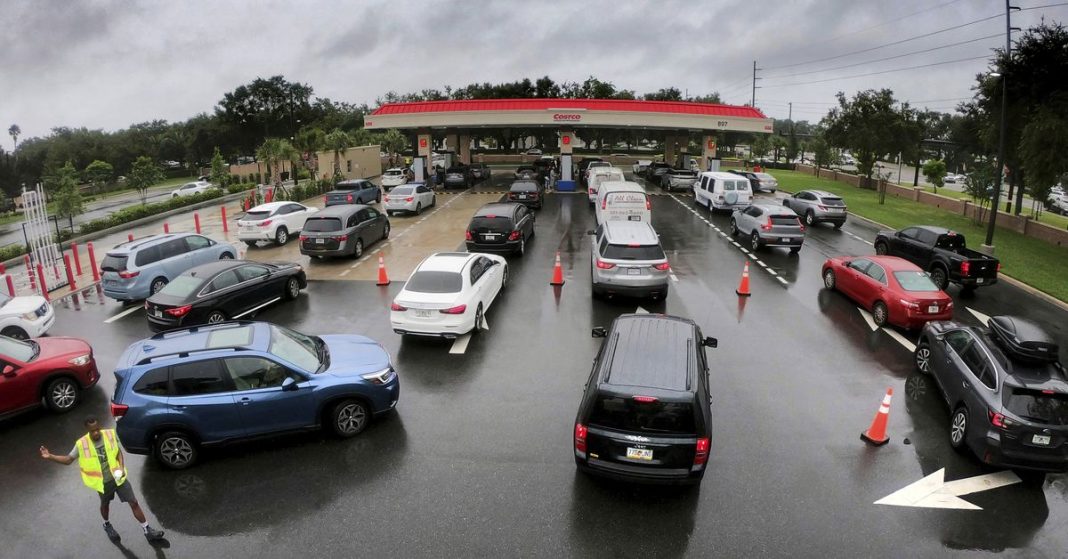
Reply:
x=634, y=252
x=434, y=282
x=256, y=216
x=402, y=190
x=628, y=414
x=394, y=172
x=301, y=350
x=915, y=281
x=183, y=286
x=1038, y=406
x=18, y=350
x=322, y=224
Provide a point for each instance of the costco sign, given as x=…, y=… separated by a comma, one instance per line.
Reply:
x=566, y=117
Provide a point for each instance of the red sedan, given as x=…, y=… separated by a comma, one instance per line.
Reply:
x=895, y=290
x=52, y=370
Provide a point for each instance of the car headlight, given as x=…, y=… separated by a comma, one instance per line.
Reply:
x=380, y=377
x=80, y=360
x=29, y=316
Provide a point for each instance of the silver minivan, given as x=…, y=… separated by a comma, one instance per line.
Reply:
x=627, y=259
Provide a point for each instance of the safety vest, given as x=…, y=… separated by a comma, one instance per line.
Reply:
x=89, y=462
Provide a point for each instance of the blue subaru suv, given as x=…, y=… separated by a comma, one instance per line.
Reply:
x=136, y=269
x=211, y=385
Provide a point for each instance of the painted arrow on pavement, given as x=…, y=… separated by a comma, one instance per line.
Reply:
x=933, y=492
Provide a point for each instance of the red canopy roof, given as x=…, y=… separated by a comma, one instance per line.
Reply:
x=677, y=107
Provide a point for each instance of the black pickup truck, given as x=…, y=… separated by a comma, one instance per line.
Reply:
x=942, y=253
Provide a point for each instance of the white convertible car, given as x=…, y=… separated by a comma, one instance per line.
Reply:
x=448, y=294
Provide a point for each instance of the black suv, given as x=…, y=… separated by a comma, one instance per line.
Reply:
x=1006, y=389
x=646, y=413
x=500, y=227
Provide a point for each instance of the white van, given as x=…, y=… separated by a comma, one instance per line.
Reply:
x=622, y=201
x=599, y=175
x=722, y=191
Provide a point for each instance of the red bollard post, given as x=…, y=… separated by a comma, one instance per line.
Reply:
x=92, y=263
x=225, y=227
x=10, y=285
x=166, y=227
x=196, y=221
x=77, y=259
x=29, y=272
x=70, y=273
x=129, y=237
x=3, y=269
x=41, y=281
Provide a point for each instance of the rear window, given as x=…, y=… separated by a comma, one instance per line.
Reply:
x=401, y=190
x=784, y=220
x=836, y=202
x=114, y=263
x=435, y=282
x=626, y=198
x=394, y=173
x=183, y=286
x=256, y=216
x=915, y=281
x=630, y=252
x=627, y=414
x=524, y=187
x=496, y=223
x=1034, y=405
x=322, y=224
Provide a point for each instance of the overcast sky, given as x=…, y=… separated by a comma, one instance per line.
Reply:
x=108, y=64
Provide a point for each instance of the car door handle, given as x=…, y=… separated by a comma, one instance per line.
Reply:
x=245, y=401
x=179, y=407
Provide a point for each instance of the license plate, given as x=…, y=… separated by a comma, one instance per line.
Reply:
x=320, y=241
x=1041, y=439
x=836, y=210
x=784, y=240
x=978, y=280
x=639, y=453
x=157, y=313
x=634, y=271
x=248, y=229
x=932, y=309
x=522, y=196
x=634, y=217
x=490, y=236
x=422, y=313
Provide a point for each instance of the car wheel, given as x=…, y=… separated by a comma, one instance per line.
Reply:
x=754, y=242
x=734, y=228
x=922, y=358
x=176, y=450
x=958, y=429
x=216, y=317
x=281, y=236
x=226, y=256
x=504, y=278
x=829, y=280
x=385, y=231
x=418, y=208
x=292, y=288
x=378, y=197
x=15, y=332
x=157, y=285
x=879, y=313
x=349, y=418
x=478, y=320
x=357, y=249
x=881, y=249
x=938, y=276
x=795, y=250
x=250, y=243
x=61, y=395
x=810, y=218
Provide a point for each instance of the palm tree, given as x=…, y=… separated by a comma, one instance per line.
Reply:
x=338, y=142
x=14, y=131
x=273, y=152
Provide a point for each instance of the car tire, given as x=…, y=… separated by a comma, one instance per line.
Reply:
x=292, y=289
x=795, y=250
x=157, y=285
x=378, y=197
x=829, y=279
x=754, y=241
x=418, y=208
x=881, y=248
x=958, y=429
x=250, y=243
x=810, y=218
x=938, y=276
x=214, y=317
x=880, y=314
x=385, y=231
x=478, y=320
x=922, y=357
x=15, y=332
x=281, y=236
x=226, y=256
x=433, y=201
x=734, y=228
x=357, y=249
x=349, y=418
x=62, y=395
x=504, y=278
x=176, y=450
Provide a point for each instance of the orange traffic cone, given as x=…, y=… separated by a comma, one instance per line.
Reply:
x=558, y=272
x=876, y=434
x=383, y=279
x=743, y=287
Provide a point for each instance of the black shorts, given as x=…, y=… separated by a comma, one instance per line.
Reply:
x=124, y=491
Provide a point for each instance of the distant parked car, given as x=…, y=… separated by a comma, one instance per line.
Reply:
x=759, y=181
x=448, y=294
x=25, y=316
x=655, y=170
x=895, y=290
x=273, y=221
x=413, y=197
x=480, y=171
x=768, y=225
x=458, y=176
x=1058, y=203
x=817, y=206
x=136, y=269
x=639, y=166
x=533, y=151
x=192, y=189
x=528, y=193
x=500, y=227
x=952, y=178
x=357, y=191
x=343, y=231
x=52, y=371
x=222, y=290
x=527, y=172
x=394, y=177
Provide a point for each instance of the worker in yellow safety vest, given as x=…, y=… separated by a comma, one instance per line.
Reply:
x=104, y=470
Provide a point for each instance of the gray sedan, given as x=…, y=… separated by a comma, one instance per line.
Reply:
x=768, y=225
x=343, y=231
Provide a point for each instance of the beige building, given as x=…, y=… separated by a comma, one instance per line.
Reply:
x=356, y=163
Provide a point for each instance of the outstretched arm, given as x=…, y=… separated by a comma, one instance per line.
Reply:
x=65, y=460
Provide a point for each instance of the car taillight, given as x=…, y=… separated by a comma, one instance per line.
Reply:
x=999, y=267
x=467, y=234
x=663, y=266
x=126, y=274
x=325, y=200
x=179, y=311
x=801, y=225
x=341, y=238
x=512, y=195
x=396, y=307
x=648, y=204
x=605, y=265
x=349, y=197
x=700, y=455
x=514, y=236
x=645, y=399
x=822, y=207
x=965, y=267
x=265, y=223
x=909, y=304
x=303, y=238
x=118, y=410
x=767, y=226
x=458, y=309
x=580, y=438
x=999, y=420
x=409, y=199
x=386, y=198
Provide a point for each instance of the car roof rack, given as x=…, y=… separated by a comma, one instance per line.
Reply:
x=201, y=328
x=187, y=353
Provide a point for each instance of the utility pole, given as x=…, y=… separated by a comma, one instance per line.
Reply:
x=752, y=102
x=791, y=117
x=999, y=171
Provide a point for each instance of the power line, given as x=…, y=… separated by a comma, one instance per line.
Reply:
x=996, y=35
x=881, y=72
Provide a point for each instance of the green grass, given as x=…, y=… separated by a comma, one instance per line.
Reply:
x=1046, y=217
x=1034, y=262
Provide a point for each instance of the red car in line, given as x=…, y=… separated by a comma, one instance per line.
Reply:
x=54, y=371
x=895, y=290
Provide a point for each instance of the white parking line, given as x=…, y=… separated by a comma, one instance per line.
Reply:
x=674, y=278
x=345, y=272
x=980, y=316
x=772, y=272
x=126, y=312
x=781, y=280
x=460, y=345
x=868, y=318
x=900, y=339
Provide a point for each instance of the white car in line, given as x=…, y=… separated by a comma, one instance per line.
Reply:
x=414, y=197
x=28, y=316
x=192, y=188
x=394, y=177
x=1058, y=203
x=273, y=221
x=448, y=294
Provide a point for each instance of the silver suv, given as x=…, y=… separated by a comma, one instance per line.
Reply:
x=627, y=259
x=817, y=206
x=767, y=225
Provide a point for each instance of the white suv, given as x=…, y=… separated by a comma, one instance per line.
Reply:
x=192, y=188
x=25, y=317
x=274, y=221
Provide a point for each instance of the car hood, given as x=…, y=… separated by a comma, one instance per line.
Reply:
x=22, y=305
x=355, y=355
x=52, y=347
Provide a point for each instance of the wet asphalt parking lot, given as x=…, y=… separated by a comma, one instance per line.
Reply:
x=477, y=461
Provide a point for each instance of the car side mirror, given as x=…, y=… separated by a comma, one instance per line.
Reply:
x=9, y=371
x=937, y=337
x=599, y=332
x=289, y=384
x=710, y=342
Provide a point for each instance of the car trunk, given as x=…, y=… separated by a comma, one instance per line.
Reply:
x=490, y=230
x=785, y=226
x=635, y=432
x=113, y=268
x=341, y=197
x=1045, y=432
x=637, y=261
x=322, y=233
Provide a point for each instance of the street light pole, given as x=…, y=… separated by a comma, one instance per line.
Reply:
x=999, y=171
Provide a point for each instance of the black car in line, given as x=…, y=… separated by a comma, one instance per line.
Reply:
x=1006, y=389
x=529, y=193
x=223, y=290
x=500, y=227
